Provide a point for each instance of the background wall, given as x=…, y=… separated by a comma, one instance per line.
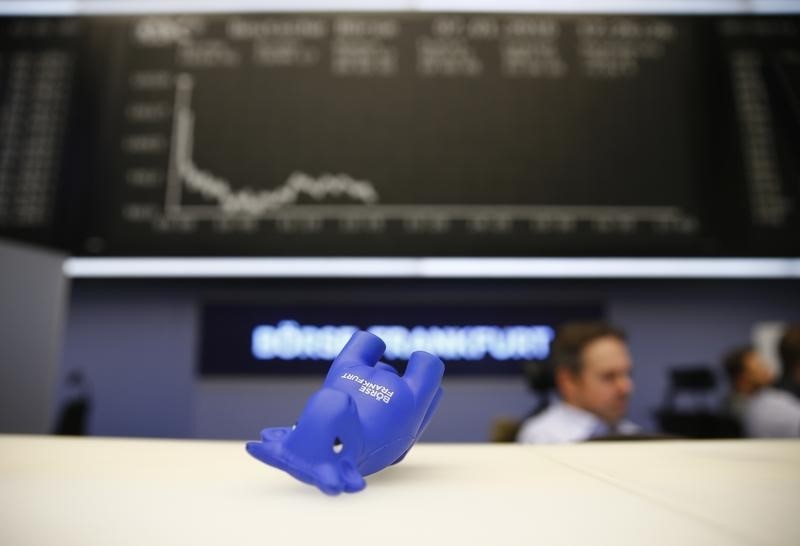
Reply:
x=33, y=298
x=138, y=344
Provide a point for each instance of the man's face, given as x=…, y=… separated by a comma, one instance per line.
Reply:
x=604, y=384
x=756, y=371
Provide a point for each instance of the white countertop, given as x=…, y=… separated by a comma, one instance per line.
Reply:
x=61, y=491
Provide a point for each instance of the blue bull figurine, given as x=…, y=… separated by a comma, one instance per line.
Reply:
x=363, y=419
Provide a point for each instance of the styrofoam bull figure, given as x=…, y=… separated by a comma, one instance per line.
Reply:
x=363, y=419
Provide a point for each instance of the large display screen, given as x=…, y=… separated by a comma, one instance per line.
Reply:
x=423, y=134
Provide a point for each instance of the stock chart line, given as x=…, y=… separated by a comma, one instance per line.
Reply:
x=225, y=202
x=248, y=202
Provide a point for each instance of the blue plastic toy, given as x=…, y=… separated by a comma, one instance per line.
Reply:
x=363, y=419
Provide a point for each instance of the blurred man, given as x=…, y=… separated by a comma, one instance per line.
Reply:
x=748, y=374
x=592, y=369
x=763, y=411
x=789, y=349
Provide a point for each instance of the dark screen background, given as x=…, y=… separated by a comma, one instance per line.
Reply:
x=532, y=135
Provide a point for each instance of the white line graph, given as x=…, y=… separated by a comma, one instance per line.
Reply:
x=245, y=202
x=282, y=202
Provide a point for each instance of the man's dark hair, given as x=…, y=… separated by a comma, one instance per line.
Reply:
x=733, y=362
x=573, y=337
x=789, y=349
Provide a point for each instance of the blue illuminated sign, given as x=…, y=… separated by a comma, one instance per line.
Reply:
x=472, y=338
x=289, y=340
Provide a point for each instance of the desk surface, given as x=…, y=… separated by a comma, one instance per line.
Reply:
x=139, y=492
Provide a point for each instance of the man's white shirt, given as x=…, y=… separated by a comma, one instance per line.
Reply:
x=772, y=413
x=562, y=423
